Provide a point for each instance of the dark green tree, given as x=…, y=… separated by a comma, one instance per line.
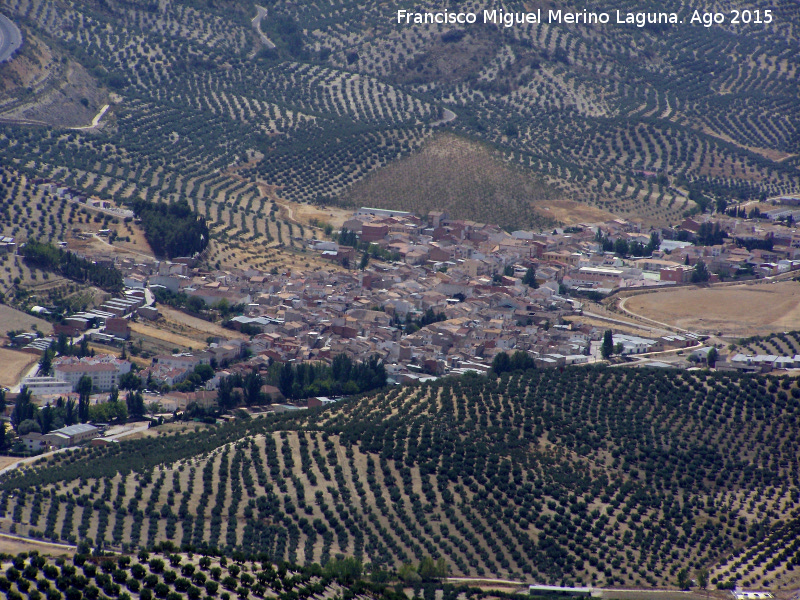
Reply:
x=84, y=389
x=24, y=408
x=712, y=356
x=135, y=403
x=46, y=362
x=607, y=349
x=529, y=278
x=700, y=273
x=501, y=363
x=683, y=579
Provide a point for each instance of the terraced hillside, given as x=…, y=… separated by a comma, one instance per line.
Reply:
x=603, y=476
x=201, y=109
x=591, y=107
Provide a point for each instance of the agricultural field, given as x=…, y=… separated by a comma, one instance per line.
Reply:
x=599, y=476
x=14, y=320
x=734, y=311
x=30, y=211
x=627, y=121
x=13, y=365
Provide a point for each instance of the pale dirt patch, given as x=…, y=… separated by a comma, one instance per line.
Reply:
x=742, y=311
x=7, y=460
x=303, y=213
x=774, y=155
x=11, y=545
x=13, y=365
x=570, y=212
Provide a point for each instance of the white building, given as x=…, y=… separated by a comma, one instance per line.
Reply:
x=185, y=360
x=72, y=435
x=747, y=595
x=104, y=370
x=45, y=386
x=632, y=344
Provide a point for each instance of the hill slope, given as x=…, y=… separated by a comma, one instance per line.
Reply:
x=593, y=475
x=462, y=177
x=590, y=110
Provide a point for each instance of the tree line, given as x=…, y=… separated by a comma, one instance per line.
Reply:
x=48, y=257
x=297, y=381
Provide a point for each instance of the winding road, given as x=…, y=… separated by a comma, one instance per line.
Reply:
x=262, y=12
x=10, y=38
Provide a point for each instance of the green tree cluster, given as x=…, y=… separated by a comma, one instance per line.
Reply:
x=518, y=361
x=172, y=229
x=48, y=257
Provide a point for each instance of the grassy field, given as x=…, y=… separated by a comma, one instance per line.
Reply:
x=735, y=311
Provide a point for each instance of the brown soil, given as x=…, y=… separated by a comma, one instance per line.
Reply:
x=11, y=545
x=13, y=365
x=197, y=328
x=570, y=212
x=166, y=336
x=11, y=318
x=739, y=311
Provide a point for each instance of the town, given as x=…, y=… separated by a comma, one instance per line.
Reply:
x=422, y=297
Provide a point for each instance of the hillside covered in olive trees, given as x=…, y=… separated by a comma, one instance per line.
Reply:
x=601, y=476
x=638, y=121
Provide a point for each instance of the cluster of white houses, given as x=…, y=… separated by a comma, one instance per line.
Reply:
x=765, y=362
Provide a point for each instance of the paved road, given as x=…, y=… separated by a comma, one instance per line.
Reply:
x=19, y=538
x=447, y=116
x=95, y=121
x=10, y=38
x=262, y=12
x=32, y=459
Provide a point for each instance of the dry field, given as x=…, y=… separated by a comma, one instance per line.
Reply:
x=303, y=213
x=570, y=212
x=7, y=460
x=14, y=545
x=136, y=249
x=166, y=336
x=14, y=364
x=735, y=311
x=466, y=179
x=196, y=328
x=10, y=318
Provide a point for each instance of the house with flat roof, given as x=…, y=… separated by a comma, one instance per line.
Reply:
x=72, y=435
